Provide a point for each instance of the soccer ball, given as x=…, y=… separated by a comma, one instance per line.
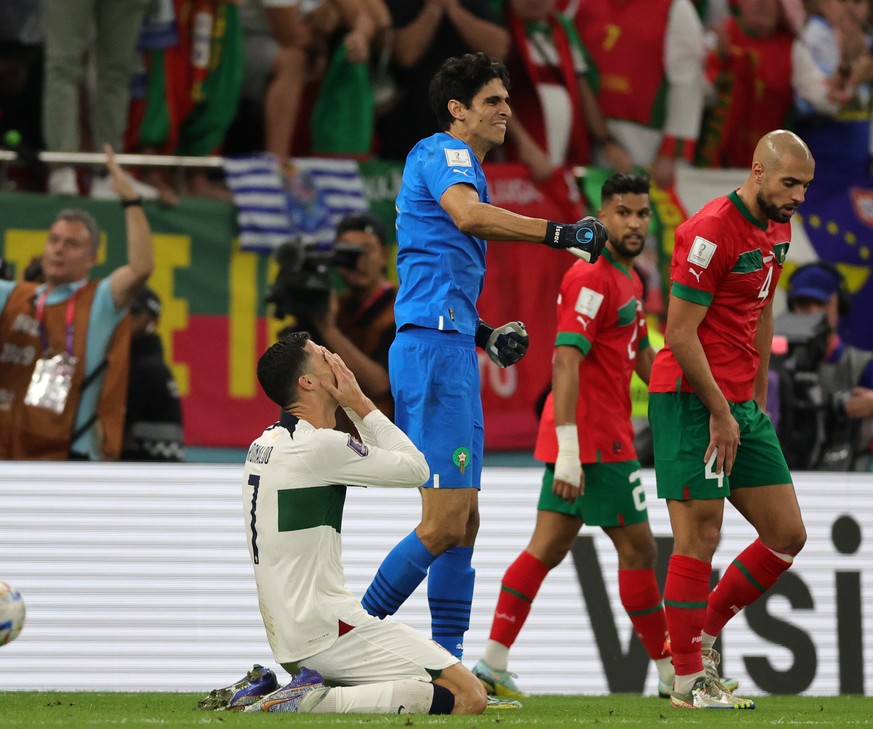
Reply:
x=11, y=613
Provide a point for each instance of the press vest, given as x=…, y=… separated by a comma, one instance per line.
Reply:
x=34, y=433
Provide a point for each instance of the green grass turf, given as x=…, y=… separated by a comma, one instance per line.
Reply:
x=36, y=710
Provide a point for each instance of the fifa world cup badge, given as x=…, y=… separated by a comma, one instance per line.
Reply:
x=461, y=456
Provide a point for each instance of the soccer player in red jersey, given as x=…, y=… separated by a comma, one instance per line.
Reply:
x=585, y=438
x=708, y=388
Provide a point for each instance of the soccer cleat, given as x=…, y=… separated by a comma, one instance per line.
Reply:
x=711, y=659
x=495, y=703
x=250, y=688
x=705, y=694
x=496, y=683
x=288, y=698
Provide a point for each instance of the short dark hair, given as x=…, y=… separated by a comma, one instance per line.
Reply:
x=364, y=222
x=461, y=78
x=623, y=184
x=281, y=365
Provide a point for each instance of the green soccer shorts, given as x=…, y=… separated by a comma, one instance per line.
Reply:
x=614, y=495
x=680, y=429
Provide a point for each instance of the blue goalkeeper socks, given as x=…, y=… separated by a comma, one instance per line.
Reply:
x=450, y=596
x=399, y=574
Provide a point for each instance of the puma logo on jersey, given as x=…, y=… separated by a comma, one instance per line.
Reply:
x=696, y=274
x=769, y=258
x=583, y=322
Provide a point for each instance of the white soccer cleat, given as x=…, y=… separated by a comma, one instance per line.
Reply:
x=705, y=694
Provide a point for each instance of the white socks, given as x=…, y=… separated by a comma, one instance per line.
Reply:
x=496, y=655
x=388, y=697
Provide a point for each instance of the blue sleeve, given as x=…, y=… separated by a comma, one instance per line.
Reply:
x=5, y=290
x=448, y=165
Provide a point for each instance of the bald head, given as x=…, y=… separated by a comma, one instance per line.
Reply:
x=782, y=170
x=776, y=146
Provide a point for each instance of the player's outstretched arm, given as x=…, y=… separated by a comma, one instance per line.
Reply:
x=482, y=220
x=127, y=280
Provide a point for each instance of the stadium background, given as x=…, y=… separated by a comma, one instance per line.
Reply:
x=215, y=325
x=138, y=579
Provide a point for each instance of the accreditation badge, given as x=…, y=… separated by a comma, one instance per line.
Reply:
x=51, y=382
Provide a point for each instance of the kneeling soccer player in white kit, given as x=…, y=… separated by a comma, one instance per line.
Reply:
x=294, y=488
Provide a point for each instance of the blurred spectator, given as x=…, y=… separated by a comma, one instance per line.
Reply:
x=193, y=87
x=72, y=27
x=837, y=37
x=756, y=68
x=359, y=323
x=21, y=61
x=153, y=423
x=648, y=56
x=712, y=12
x=556, y=117
x=290, y=44
x=426, y=32
x=276, y=40
x=343, y=116
x=835, y=33
x=65, y=342
x=825, y=385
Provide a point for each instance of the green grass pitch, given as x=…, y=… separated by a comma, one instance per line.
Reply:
x=80, y=710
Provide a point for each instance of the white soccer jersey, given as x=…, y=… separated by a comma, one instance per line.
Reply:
x=294, y=489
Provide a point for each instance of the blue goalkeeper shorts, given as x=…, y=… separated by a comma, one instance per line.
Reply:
x=435, y=382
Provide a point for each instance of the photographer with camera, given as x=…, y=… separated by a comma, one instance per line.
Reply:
x=65, y=342
x=825, y=385
x=359, y=322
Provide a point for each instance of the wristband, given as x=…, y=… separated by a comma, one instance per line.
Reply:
x=567, y=465
x=553, y=234
x=568, y=438
x=132, y=202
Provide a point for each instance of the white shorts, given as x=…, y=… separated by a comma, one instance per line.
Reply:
x=379, y=650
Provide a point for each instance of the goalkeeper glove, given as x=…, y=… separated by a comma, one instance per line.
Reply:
x=506, y=344
x=585, y=238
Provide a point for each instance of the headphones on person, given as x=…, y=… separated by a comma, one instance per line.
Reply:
x=844, y=298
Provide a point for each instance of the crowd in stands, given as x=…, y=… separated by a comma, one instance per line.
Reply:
x=630, y=85
x=616, y=83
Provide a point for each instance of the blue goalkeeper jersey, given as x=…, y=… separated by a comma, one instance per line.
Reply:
x=441, y=270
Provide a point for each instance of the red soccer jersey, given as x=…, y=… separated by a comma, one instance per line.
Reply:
x=600, y=311
x=626, y=41
x=726, y=259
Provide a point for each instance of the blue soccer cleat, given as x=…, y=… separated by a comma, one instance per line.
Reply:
x=288, y=698
x=256, y=684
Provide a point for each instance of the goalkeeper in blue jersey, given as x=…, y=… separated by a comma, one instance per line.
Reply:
x=444, y=218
